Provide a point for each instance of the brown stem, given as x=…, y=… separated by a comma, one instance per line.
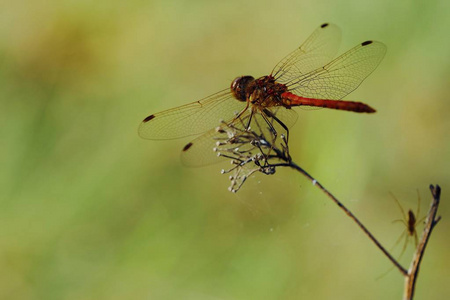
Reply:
x=432, y=220
x=348, y=212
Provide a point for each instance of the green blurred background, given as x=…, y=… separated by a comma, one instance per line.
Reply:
x=88, y=210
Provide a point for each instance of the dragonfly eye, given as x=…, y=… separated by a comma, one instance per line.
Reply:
x=239, y=87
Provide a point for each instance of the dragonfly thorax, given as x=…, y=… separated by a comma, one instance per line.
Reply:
x=264, y=91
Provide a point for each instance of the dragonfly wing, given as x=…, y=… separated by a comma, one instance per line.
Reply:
x=204, y=149
x=287, y=116
x=200, y=151
x=320, y=48
x=341, y=76
x=191, y=119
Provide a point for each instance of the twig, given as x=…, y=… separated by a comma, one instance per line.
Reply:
x=349, y=213
x=431, y=222
x=269, y=156
x=252, y=151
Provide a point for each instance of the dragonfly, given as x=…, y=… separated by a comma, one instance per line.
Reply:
x=310, y=76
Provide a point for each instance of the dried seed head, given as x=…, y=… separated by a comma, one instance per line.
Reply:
x=258, y=151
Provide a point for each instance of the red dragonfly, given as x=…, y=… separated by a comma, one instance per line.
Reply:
x=309, y=76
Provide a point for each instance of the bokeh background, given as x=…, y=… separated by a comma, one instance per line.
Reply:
x=88, y=210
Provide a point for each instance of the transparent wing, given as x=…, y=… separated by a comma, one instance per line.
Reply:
x=200, y=151
x=341, y=76
x=191, y=119
x=320, y=48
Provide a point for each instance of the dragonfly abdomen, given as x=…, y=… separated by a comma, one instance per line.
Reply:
x=290, y=99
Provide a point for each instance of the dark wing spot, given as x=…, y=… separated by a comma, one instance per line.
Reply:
x=186, y=148
x=366, y=43
x=324, y=25
x=148, y=118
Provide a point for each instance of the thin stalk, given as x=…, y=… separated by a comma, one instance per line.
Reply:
x=348, y=213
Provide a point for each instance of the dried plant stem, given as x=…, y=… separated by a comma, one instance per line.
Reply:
x=348, y=212
x=413, y=271
x=432, y=220
x=252, y=152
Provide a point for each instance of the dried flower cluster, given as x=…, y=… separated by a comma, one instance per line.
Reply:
x=250, y=151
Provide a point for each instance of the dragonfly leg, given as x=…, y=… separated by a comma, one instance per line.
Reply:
x=270, y=114
x=247, y=127
x=240, y=114
x=266, y=118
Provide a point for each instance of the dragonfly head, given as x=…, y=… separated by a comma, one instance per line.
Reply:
x=239, y=87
